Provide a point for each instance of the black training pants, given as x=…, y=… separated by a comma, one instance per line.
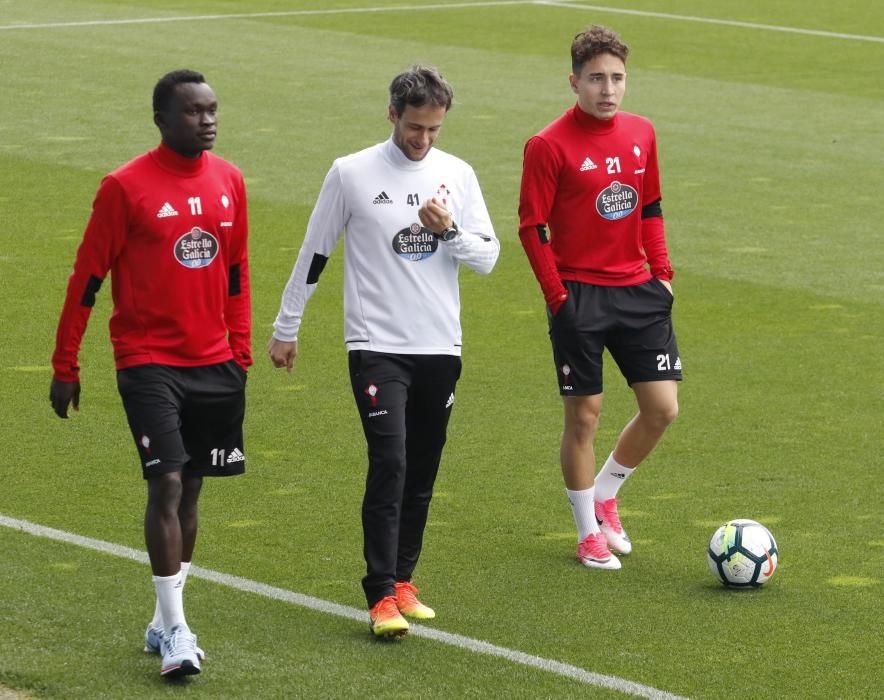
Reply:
x=404, y=402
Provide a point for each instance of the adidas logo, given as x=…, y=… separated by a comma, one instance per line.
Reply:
x=588, y=165
x=166, y=210
x=382, y=198
x=677, y=364
x=450, y=401
x=235, y=456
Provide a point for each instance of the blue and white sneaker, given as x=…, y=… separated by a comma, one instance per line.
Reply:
x=153, y=642
x=179, y=653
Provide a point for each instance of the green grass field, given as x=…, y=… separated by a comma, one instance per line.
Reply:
x=772, y=147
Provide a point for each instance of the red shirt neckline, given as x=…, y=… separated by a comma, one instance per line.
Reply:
x=589, y=122
x=172, y=160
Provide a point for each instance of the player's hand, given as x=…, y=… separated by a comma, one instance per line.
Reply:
x=63, y=394
x=564, y=315
x=283, y=353
x=435, y=216
x=554, y=306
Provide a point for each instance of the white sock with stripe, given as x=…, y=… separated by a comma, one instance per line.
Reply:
x=169, y=600
x=610, y=479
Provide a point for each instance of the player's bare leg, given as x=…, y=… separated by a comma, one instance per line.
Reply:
x=657, y=409
x=162, y=527
x=188, y=515
x=576, y=451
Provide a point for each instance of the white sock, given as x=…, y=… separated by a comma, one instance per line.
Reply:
x=610, y=479
x=169, y=599
x=583, y=508
x=157, y=620
x=185, y=567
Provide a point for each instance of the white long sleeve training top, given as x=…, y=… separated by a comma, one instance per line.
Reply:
x=401, y=291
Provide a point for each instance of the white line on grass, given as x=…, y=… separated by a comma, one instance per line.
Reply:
x=259, y=15
x=710, y=20
x=443, y=6
x=306, y=601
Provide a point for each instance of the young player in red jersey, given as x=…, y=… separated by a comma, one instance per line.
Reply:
x=171, y=226
x=591, y=223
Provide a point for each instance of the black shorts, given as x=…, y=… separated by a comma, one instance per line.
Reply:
x=634, y=323
x=186, y=418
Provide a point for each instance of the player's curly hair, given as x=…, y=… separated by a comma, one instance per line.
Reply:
x=593, y=41
x=165, y=87
x=418, y=86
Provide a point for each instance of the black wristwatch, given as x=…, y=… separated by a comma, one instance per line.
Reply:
x=450, y=233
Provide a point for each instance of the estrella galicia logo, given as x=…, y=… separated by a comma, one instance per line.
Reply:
x=415, y=243
x=616, y=201
x=196, y=248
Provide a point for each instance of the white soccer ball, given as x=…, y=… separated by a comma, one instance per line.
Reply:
x=743, y=554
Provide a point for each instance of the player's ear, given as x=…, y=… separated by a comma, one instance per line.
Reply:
x=391, y=114
x=159, y=120
x=573, y=80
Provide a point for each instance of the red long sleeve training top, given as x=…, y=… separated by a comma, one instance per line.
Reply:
x=173, y=233
x=596, y=185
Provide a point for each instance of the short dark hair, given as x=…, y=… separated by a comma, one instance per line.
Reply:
x=594, y=41
x=420, y=85
x=165, y=87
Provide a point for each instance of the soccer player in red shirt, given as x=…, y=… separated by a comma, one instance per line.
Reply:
x=591, y=223
x=171, y=226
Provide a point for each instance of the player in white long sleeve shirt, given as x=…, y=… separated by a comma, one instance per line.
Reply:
x=400, y=280
x=410, y=215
